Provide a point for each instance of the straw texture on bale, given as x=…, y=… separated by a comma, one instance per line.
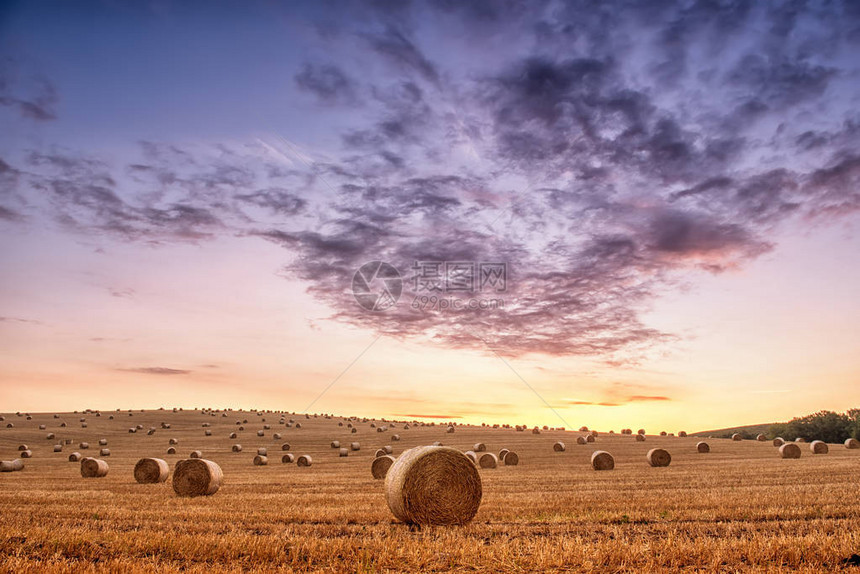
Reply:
x=557, y=447
x=488, y=460
x=261, y=460
x=75, y=457
x=379, y=467
x=305, y=460
x=640, y=437
x=852, y=443
x=602, y=460
x=195, y=454
x=703, y=447
x=789, y=450
x=819, y=447
x=288, y=458
x=511, y=458
x=196, y=477
x=345, y=452
x=659, y=457
x=151, y=471
x=93, y=467
x=433, y=485
x=11, y=465
x=778, y=441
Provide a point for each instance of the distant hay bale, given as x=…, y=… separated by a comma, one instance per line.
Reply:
x=479, y=447
x=84, y=445
x=276, y=436
x=737, y=437
x=641, y=431
x=42, y=427
x=207, y=432
x=335, y=444
x=450, y=430
x=195, y=454
x=58, y=448
x=503, y=452
x=104, y=452
x=379, y=452
x=703, y=447
x=75, y=457
x=132, y=430
x=659, y=457
x=262, y=451
x=93, y=467
x=761, y=438
x=819, y=447
x=151, y=471
x=640, y=437
x=103, y=442
x=557, y=447
x=535, y=430
x=355, y=446
x=388, y=449
x=379, y=467
x=50, y=436
x=433, y=485
x=778, y=441
x=345, y=452
x=11, y=465
x=171, y=450
x=682, y=434
x=511, y=458
x=23, y=447
x=852, y=443
x=236, y=448
x=602, y=460
x=789, y=450
x=663, y=433
x=261, y=460
x=800, y=439
x=354, y=430
x=285, y=446
x=396, y=437
x=288, y=458
x=196, y=477
x=589, y=438
x=173, y=441
x=472, y=456
x=488, y=460
x=305, y=460
x=580, y=440
x=260, y=433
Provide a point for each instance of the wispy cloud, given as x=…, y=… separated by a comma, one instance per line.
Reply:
x=156, y=371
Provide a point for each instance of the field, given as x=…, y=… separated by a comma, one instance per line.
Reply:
x=738, y=508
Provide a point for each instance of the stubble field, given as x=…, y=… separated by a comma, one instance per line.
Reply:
x=738, y=508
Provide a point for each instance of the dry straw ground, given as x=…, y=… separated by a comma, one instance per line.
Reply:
x=738, y=508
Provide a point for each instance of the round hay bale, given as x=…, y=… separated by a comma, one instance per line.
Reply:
x=388, y=449
x=682, y=434
x=171, y=450
x=380, y=452
x=761, y=438
x=580, y=440
x=173, y=441
x=233, y=435
x=335, y=444
x=396, y=437
x=641, y=431
x=75, y=457
x=261, y=460
x=450, y=430
x=260, y=433
x=132, y=430
x=196, y=477
x=93, y=467
x=703, y=447
x=503, y=452
x=737, y=437
x=659, y=457
x=305, y=460
x=852, y=443
x=640, y=437
x=344, y=452
x=262, y=451
x=535, y=430
x=379, y=467
x=287, y=458
x=789, y=450
x=355, y=446
x=285, y=446
x=433, y=485
x=151, y=471
x=104, y=452
x=58, y=448
x=778, y=441
x=23, y=447
x=195, y=454
x=589, y=438
x=800, y=439
x=11, y=465
x=819, y=447
x=472, y=456
x=84, y=445
x=236, y=448
x=488, y=460
x=102, y=442
x=50, y=436
x=511, y=458
x=602, y=460
x=354, y=430
x=276, y=436
x=557, y=447
x=26, y=453
x=480, y=447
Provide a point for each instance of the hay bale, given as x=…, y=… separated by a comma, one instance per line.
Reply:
x=305, y=460
x=778, y=441
x=102, y=442
x=260, y=433
x=173, y=441
x=437, y=443
x=23, y=447
x=335, y=444
x=379, y=452
x=557, y=447
x=852, y=443
x=355, y=446
x=737, y=437
x=535, y=430
x=472, y=456
x=276, y=436
x=354, y=430
x=789, y=450
x=50, y=436
x=285, y=446
x=379, y=467
x=84, y=445
x=590, y=438
x=93, y=467
x=761, y=438
x=800, y=439
x=195, y=454
x=703, y=447
x=11, y=465
x=262, y=451
x=104, y=452
x=659, y=457
x=819, y=447
x=641, y=431
x=388, y=449
x=58, y=448
x=287, y=458
x=396, y=437
x=345, y=452
x=261, y=460
x=580, y=440
x=450, y=430
x=75, y=457
x=682, y=434
x=196, y=477
x=26, y=453
x=479, y=447
x=602, y=460
x=511, y=458
x=503, y=452
x=640, y=437
x=488, y=460
x=236, y=448
x=433, y=485
x=151, y=471
x=171, y=450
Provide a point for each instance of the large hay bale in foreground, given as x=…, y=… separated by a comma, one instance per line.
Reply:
x=819, y=447
x=703, y=447
x=488, y=460
x=778, y=441
x=151, y=471
x=93, y=467
x=75, y=457
x=511, y=458
x=659, y=457
x=602, y=460
x=196, y=477
x=379, y=467
x=261, y=460
x=789, y=450
x=852, y=443
x=305, y=460
x=288, y=458
x=557, y=447
x=433, y=485
x=11, y=465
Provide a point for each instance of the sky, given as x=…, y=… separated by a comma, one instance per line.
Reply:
x=614, y=214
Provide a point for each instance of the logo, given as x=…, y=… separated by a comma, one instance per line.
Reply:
x=377, y=286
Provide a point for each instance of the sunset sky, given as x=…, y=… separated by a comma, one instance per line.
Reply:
x=188, y=189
